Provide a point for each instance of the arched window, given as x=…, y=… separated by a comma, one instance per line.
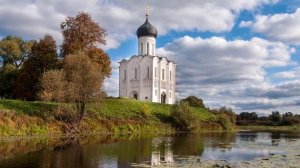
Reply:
x=148, y=48
x=148, y=72
x=155, y=72
x=135, y=73
x=170, y=75
x=163, y=74
x=141, y=48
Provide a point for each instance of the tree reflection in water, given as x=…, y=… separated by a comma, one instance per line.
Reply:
x=125, y=150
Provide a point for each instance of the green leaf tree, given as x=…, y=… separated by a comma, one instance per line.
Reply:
x=14, y=51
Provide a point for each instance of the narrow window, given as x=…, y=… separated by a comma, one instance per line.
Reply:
x=152, y=49
x=148, y=48
x=155, y=72
x=170, y=76
x=142, y=49
x=135, y=73
x=125, y=74
x=148, y=72
x=155, y=92
x=170, y=94
x=163, y=74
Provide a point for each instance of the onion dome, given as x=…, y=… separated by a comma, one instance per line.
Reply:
x=147, y=29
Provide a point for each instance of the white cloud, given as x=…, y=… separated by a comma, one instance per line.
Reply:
x=32, y=18
x=283, y=27
x=231, y=73
x=293, y=74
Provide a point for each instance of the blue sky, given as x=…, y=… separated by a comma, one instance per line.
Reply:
x=235, y=53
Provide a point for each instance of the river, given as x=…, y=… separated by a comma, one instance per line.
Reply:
x=181, y=150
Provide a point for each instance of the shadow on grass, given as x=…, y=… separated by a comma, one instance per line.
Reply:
x=164, y=118
x=26, y=107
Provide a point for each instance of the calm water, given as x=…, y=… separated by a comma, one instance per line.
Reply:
x=123, y=151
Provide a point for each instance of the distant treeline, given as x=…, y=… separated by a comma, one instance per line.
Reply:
x=251, y=118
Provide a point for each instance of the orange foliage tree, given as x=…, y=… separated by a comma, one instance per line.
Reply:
x=82, y=34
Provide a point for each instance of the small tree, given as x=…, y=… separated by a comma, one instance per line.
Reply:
x=275, y=117
x=228, y=112
x=84, y=80
x=184, y=117
x=53, y=86
x=79, y=82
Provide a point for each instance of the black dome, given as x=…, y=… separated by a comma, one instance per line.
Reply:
x=147, y=29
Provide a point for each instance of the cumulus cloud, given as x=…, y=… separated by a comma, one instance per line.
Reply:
x=231, y=73
x=32, y=18
x=283, y=27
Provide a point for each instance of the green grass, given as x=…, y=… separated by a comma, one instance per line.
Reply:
x=131, y=109
x=26, y=107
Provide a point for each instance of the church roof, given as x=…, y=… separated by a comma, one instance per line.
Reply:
x=143, y=56
x=146, y=29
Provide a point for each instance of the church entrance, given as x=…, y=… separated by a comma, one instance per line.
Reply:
x=134, y=95
x=163, y=97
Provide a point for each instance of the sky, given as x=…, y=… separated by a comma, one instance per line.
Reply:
x=242, y=54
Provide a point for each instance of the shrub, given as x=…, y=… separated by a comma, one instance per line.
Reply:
x=229, y=113
x=145, y=111
x=183, y=117
x=194, y=101
x=224, y=121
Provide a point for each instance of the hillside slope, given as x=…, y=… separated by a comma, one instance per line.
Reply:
x=108, y=116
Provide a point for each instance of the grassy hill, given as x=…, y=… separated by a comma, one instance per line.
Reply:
x=108, y=116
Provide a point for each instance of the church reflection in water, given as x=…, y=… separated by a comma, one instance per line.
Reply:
x=162, y=151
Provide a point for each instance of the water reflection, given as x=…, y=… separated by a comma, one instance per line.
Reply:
x=126, y=150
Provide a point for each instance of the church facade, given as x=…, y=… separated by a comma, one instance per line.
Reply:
x=146, y=76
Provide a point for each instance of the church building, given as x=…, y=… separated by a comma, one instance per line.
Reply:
x=146, y=76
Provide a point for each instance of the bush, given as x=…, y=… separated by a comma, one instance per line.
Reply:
x=145, y=111
x=229, y=113
x=194, y=101
x=183, y=117
x=224, y=121
x=291, y=120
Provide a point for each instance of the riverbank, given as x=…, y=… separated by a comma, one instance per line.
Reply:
x=22, y=118
x=292, y=128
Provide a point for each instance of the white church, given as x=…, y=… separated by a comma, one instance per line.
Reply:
x=146, y=76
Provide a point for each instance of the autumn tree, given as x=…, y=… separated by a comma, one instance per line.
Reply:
x=53, y=86
x=79, y=82
x=42, y=58
x=14, y=51
x=82, y=34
